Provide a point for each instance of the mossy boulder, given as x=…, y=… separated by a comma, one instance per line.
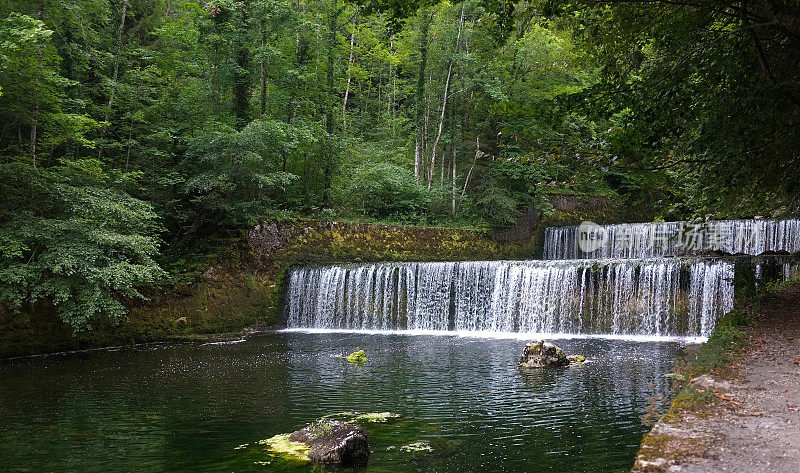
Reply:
x=357, y=357
x=283, y=446
x=334, y=443
x=541, y=354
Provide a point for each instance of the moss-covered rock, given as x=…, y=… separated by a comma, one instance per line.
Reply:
x=357, y=357
x=283, y=445
x=334, y=443
x=541, y=354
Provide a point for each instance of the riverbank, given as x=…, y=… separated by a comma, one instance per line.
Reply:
x=739, y=411
x=241, y=288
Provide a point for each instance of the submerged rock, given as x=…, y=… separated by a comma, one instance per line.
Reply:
x=334, y=442
x=377, y=417
x=359, y=417
x=540, y=354
x=420, y=446
x=576, y=358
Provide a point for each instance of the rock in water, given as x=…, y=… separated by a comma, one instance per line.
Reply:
x=541, y=354
x=334, y=443
x=576, y=358
x=357, y=357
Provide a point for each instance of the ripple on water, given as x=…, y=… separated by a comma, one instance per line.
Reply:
x=186, y=407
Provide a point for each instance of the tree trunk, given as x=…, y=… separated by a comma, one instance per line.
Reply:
x=241, y=77
x=417, y=159
x=441, y=175
x=426, y=122
x=393, y=94
x=469, y=174
x=444, y=100
x=453, y=189
x=263, y=74
x=349, y=65
x=114, y=77
x=419, y=152
x=333, y=15
x=37, y=103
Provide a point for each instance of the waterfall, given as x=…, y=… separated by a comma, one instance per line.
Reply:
x=631, y=287
x=648, y=240
x=658, y=297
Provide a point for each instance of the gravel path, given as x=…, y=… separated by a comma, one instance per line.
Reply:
x=755, y=424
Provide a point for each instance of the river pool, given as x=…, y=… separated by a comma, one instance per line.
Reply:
x=187, y=407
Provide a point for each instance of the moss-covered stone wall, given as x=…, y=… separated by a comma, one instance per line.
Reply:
x=243, y=291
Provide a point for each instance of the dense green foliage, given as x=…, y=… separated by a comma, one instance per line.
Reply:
x=134, y=134
x=74, y=238
x=708, y=90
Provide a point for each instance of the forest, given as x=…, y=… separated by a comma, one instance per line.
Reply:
x=136, y=135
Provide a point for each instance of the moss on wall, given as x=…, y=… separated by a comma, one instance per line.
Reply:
x=244, y=290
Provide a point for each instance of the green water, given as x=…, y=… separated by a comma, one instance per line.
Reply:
x=187, y=407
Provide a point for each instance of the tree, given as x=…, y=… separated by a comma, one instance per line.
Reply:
x=72, y=238
x=234, y=178
x=202, y=118
x=708, y=91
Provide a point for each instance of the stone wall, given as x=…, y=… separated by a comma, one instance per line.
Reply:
x=243, y=290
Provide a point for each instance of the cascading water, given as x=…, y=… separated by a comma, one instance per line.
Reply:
x=648, y=240
x=640, y=292
x=660, y=297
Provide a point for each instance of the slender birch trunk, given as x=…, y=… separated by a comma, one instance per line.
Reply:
x=444, y=101
x=37, y=103
x=349, y=65
x=441, y=175
x=469, y=174
x=453, y=187
x=114, y=77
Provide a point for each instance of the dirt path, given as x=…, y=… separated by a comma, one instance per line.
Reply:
x=754, y=425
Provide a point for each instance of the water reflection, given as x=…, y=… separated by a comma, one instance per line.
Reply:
x=186, y=407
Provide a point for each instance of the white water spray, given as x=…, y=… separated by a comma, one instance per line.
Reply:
x=657, y=297
x=656, y=239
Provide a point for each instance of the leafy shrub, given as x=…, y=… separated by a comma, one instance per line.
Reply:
x=383, y=190
x=71, y=236
x=234, y=177
x=508, y=186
